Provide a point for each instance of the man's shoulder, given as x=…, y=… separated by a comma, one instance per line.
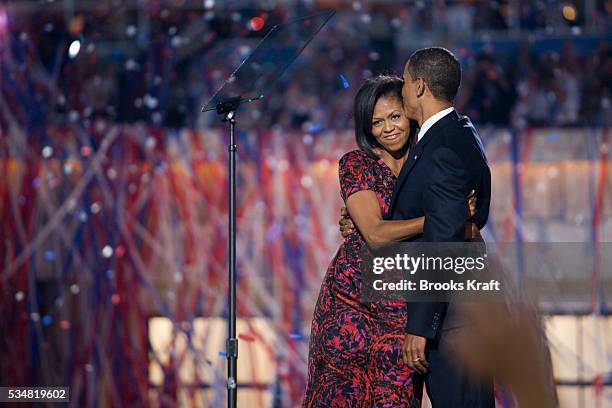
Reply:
x=457, y=133
x=457, y=123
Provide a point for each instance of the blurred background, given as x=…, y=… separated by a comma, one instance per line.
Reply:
x=113, y=202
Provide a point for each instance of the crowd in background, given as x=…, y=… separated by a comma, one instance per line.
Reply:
x=525, y=63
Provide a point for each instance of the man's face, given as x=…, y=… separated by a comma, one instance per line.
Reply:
x=409, y=96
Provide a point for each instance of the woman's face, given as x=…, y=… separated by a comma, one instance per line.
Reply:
x=390, y=126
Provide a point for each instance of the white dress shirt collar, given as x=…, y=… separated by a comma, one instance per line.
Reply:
x=431, y=121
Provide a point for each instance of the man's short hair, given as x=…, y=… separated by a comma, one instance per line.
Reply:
x=440, y=70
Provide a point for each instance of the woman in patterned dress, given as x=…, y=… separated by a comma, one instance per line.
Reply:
x=355, y=357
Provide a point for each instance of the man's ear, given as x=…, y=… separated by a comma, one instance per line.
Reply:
x=420, y=87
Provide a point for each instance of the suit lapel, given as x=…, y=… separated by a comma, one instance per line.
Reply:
x=415, y=155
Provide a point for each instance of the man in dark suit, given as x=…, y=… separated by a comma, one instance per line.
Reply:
x=447, y=163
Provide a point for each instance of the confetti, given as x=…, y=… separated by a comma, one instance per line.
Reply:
x=246, y=337
x=306, y=181
x=82, y=216
x=47, y=151
x=85, y=151
x=256, y=23
x=314, y=128
x=345, y=83
x=132, y=65
x=47, y=320
x=49, y=255
x=307, y=139
x=107, y=251
x=95, y=208
x=150, y=143
x=150, y=101
x=68, y=168
x=74, y=49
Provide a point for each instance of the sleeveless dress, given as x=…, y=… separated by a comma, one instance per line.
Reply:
x=355, y=357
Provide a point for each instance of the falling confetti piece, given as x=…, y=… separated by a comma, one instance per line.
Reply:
x=256, y=23
x=68, y=168
x=345, y=83
x=246, y=337
x=222, y=354
x=296, y=336
x=49, y=255
x=65, y=324
x=116, y=299
x=95, y=208
x=120, y=251
x=82, y=216
x=47, y=320
x=107, y=251
x=85, y=151
x=315, y=127
x=47, y=151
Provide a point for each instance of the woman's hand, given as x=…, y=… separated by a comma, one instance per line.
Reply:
x=346, y=224
x=472, y=203
x=471, y=230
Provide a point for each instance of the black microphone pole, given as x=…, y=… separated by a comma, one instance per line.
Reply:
x=252, y=79
x=228, y=108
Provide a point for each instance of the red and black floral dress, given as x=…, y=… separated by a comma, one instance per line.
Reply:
x=355, y=357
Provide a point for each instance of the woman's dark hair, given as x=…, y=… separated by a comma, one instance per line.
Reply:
x=365, y=100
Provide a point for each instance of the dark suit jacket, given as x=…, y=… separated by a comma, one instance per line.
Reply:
x=442, y=168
